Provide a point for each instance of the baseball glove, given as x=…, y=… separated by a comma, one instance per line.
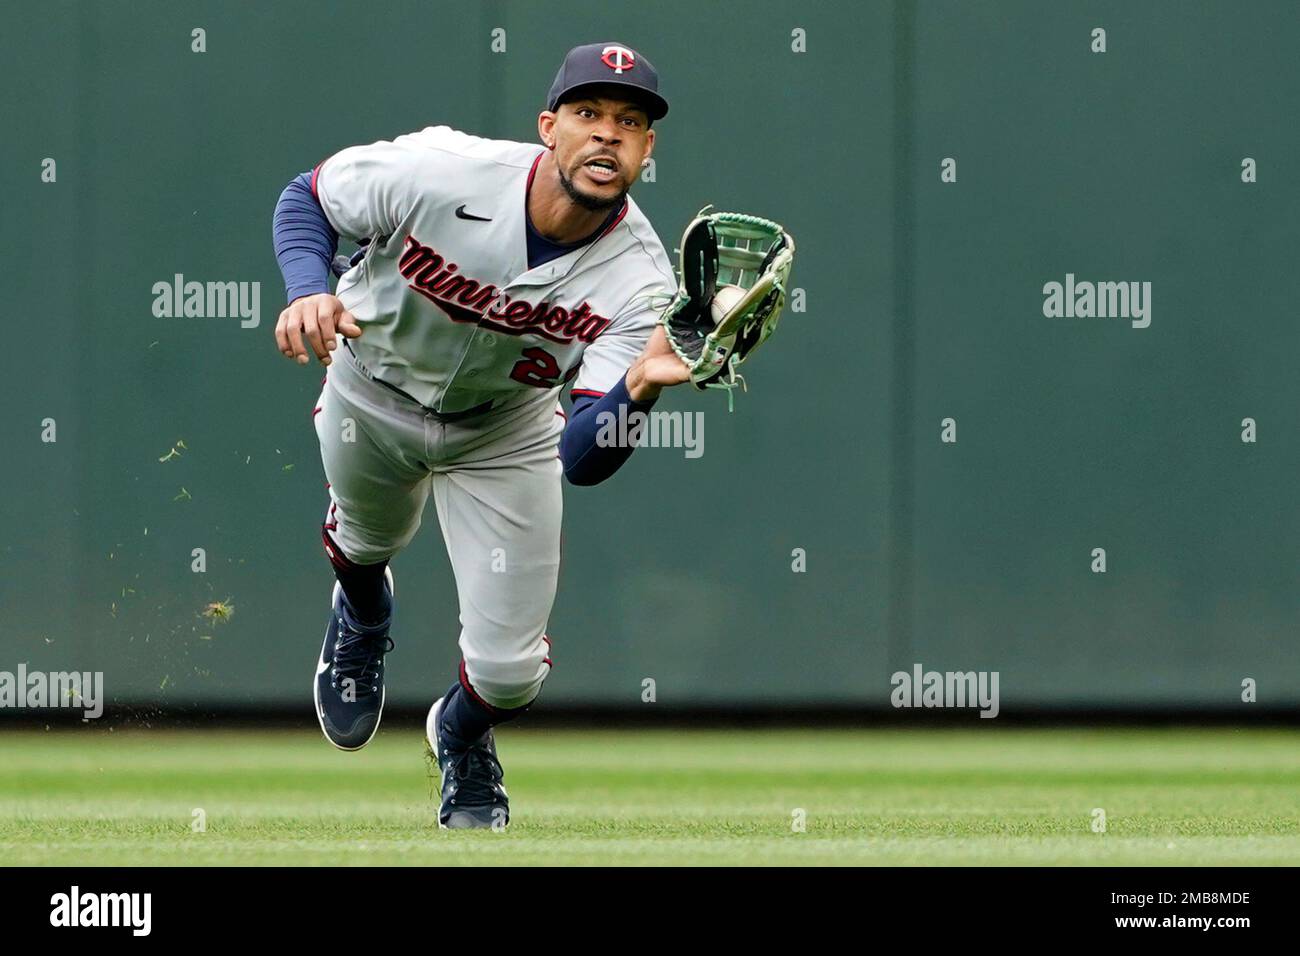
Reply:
x=751, y=255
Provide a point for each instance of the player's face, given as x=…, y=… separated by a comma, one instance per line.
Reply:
x=599, y=147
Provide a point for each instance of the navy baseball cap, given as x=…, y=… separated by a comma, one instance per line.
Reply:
x=612, y=63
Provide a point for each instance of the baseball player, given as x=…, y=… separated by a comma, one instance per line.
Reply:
x=492, y=276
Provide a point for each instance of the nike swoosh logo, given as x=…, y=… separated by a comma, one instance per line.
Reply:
x=322, y=667
x=462, y=214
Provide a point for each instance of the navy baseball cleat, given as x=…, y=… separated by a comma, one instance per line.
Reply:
x=349, y=685
x=473, y=797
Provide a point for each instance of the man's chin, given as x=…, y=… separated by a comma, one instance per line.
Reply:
x=593, y=202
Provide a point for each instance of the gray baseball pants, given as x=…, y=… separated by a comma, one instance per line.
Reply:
x=495, y=480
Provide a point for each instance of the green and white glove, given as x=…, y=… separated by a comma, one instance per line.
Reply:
x=733, y=274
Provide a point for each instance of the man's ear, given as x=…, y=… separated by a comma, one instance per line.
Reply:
x=546, y=128
x=649, y=142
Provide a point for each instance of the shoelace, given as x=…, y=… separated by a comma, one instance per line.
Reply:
x=477, y=771
x=359, y=656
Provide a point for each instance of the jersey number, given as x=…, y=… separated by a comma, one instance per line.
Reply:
x=540, y=369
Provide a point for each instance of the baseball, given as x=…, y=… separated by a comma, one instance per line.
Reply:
x=725, y=299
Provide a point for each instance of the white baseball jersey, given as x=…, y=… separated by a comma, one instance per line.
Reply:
x=452, y=314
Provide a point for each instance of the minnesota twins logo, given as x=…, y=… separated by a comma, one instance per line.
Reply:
x=463, y=299
x=618, y=58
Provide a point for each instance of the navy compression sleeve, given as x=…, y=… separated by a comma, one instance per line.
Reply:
x=586, y=462
x=305, y=242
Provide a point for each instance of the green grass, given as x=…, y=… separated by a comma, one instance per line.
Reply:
x=984, y=796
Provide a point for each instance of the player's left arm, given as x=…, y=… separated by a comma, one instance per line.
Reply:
x=655, y=369
x=634, y=353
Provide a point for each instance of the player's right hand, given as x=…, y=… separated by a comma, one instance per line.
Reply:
x=318, y=317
